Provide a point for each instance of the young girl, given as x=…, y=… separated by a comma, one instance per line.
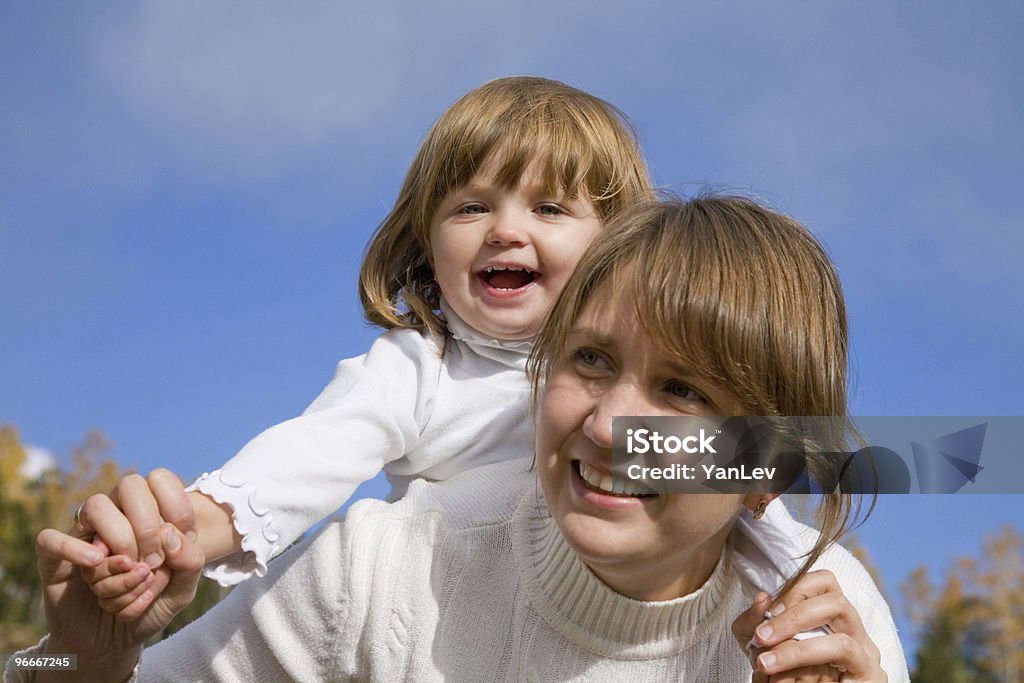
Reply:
x=549, y=568
x=507, y=189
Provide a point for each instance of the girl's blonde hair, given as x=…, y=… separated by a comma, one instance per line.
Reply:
x=578, y=143
x=744, y=297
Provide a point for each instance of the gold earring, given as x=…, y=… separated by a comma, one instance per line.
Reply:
x=762, y=505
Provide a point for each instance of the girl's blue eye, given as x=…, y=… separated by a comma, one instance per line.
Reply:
x=550, y=210
x=473, y=208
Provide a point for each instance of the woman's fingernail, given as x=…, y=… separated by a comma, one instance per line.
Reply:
x=154, y=560
x=93, y=556
x=766, y=660
x=778, y=609
x=764, y=631
x=191, y=536
x=173, y=542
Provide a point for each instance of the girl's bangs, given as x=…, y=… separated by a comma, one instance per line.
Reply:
x=551, y=145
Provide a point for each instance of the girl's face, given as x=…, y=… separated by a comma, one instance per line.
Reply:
x=501, y=257
x=648, y=547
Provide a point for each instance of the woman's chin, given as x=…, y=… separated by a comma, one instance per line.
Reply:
x=598, y=541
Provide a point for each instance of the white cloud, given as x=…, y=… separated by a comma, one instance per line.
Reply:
x=38, y=460
x=243, y=89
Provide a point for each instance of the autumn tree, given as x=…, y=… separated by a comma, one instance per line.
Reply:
x=972, y=627
x=996, y=582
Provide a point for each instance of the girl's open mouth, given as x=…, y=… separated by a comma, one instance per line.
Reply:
x=508, y=279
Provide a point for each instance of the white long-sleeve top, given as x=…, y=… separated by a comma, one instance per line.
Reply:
x=416, y=406
x=471, y=580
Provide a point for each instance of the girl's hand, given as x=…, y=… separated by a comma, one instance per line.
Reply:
x=123, y=586
x=847, y=655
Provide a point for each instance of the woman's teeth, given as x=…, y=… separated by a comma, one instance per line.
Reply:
x=606, y=483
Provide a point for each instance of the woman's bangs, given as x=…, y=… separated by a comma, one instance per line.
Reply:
x=676, y=311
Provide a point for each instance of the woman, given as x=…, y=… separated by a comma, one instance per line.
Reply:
x=708, y=307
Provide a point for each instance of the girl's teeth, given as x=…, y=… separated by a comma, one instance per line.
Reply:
x=609, y=484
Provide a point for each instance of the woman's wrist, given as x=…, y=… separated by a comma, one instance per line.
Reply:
x=110, y=666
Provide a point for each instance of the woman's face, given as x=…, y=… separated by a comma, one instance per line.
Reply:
x=648, y=547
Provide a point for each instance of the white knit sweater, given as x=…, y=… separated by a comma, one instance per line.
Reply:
x=415, y=405
x=470, y=580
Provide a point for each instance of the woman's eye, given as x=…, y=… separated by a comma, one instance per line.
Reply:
x=588, y=358
x=684, y=391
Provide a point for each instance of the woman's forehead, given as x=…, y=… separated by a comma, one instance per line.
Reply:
x=603, y=312
x=619, y=311
x=611, y=319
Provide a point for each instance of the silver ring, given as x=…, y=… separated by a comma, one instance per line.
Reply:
x=78, y=518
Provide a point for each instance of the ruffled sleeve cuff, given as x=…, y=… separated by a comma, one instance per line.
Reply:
x=253, y=522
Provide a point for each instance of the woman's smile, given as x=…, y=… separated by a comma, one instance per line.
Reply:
x=604, y=490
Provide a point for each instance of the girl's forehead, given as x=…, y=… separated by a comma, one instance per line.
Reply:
x=512, y=169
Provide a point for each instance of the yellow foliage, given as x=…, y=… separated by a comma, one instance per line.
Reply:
x=983, y=600
x=27, y=506
x=12, y=457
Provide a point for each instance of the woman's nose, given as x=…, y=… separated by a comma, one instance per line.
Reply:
x=598, y=430
x=621, y=400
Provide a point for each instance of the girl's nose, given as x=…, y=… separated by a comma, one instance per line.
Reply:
x=505, y=233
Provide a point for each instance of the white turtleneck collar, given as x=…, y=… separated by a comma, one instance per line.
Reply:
x=582, y=608
x=512, y=354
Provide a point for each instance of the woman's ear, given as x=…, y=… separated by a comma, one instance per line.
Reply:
x=757, y=503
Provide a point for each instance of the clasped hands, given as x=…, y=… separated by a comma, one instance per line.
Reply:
x=120, y=575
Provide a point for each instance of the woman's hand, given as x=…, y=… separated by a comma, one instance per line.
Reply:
x=107, y=647
x=847, y=655
x=145, y=504
x=128, y=525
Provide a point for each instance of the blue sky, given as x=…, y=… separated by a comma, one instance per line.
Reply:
x=186, y=190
